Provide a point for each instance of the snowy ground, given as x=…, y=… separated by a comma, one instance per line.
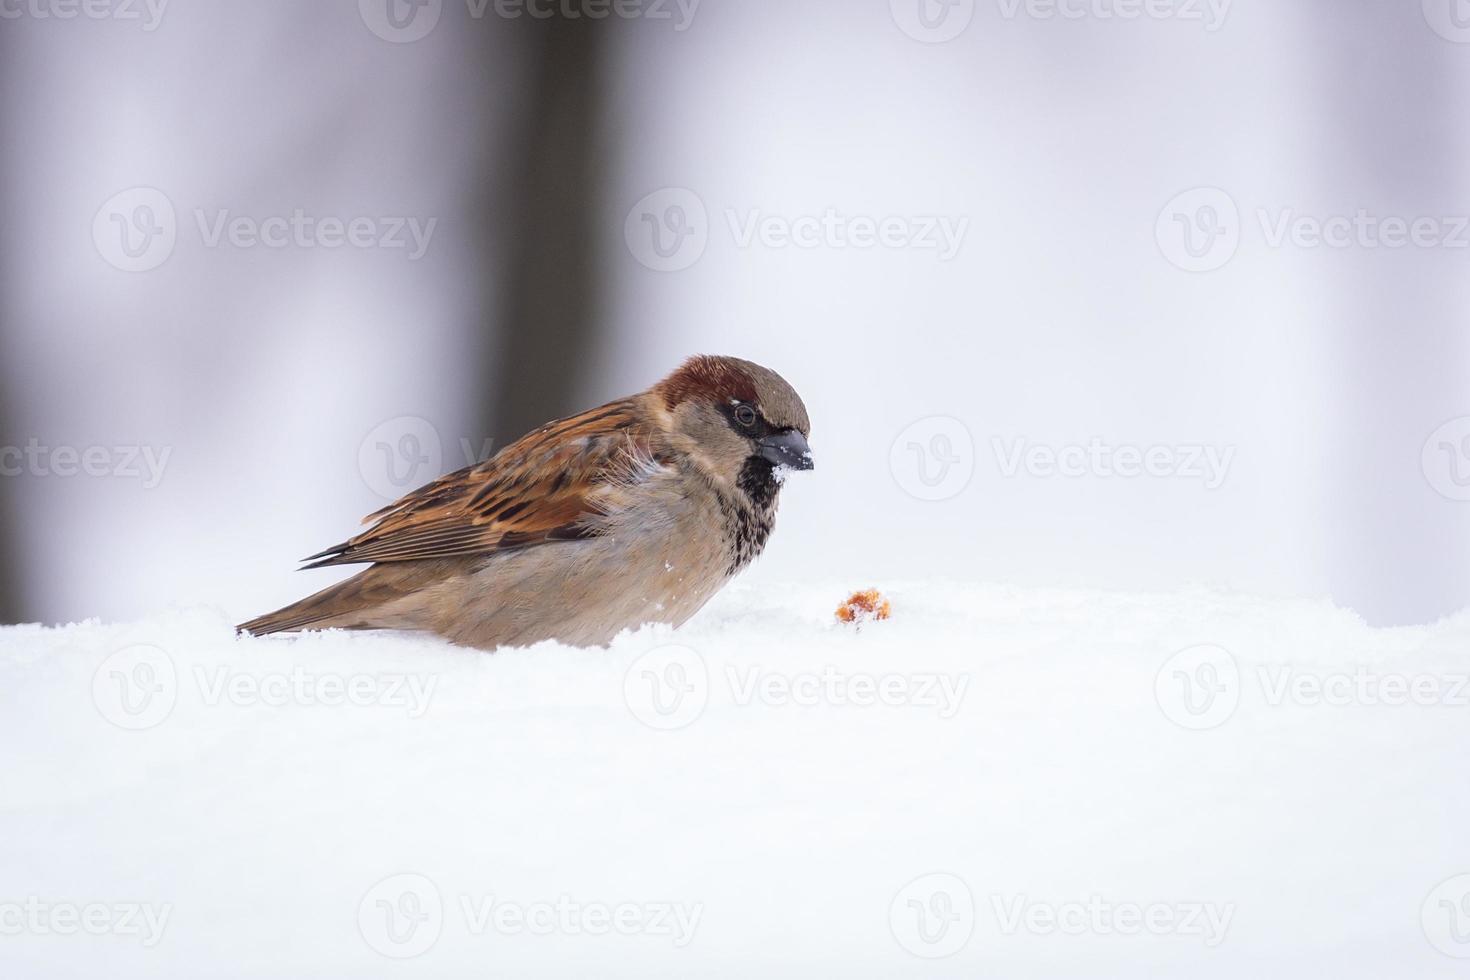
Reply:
x=1043, y=786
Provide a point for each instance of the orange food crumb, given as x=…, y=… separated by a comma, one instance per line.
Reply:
x=863, y=606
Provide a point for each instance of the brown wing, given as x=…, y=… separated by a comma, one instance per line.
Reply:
x=549, y=485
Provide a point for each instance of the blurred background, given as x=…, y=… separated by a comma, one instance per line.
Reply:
x=1101, y=293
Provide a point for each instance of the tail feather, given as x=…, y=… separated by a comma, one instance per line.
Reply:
x=350, y=604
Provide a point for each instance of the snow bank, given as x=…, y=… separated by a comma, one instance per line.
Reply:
x=993, y=783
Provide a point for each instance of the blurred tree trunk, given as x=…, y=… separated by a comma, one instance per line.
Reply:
x=545, y=319
x=1403, y=350
x=12, y=601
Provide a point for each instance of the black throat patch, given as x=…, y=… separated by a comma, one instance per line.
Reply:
x=751, y=518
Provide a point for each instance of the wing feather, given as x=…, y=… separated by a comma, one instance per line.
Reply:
x=550, y=485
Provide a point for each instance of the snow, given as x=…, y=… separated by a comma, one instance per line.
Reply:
x=1027, y=777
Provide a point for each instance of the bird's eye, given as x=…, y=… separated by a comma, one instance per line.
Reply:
x=745, y=415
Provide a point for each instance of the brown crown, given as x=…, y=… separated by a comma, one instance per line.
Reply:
x=708, y=377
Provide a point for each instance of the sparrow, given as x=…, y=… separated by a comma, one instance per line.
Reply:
x=634, y=512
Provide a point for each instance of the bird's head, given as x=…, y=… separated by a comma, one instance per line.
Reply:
x=739, y=421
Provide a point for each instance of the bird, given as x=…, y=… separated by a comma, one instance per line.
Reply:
x=635, y=512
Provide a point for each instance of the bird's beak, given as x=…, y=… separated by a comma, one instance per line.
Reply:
x=786, y=448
